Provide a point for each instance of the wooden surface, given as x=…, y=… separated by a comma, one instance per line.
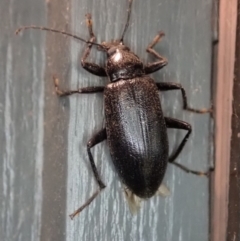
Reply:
x=45, y=170
x=223, y=115
x=233, y=230
x=22, y=66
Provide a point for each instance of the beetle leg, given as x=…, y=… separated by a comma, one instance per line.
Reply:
x=91, y=67
x=85, y=90
x=99, y=137
x=175, y=86
x=87, y=203
x=178, y=124
x=155, y=66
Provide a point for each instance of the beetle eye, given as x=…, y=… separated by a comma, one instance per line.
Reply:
x=125, y=48
x=111, y=51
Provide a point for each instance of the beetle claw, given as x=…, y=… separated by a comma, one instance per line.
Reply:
x=56, y=84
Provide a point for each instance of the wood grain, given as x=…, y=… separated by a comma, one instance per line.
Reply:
x=223, y=113
x=187, y=45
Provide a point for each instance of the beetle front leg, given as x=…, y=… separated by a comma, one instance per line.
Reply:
x=91, y=67
x=155, y=66
x=182, y=125
x=175, y=86
x=85, y=90
x=96, y=139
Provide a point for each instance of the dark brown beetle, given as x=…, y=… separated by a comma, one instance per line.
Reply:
x=136, y=129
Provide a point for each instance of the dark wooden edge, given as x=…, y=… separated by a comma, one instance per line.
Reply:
x=222, y=115
x=55, y=121
x=233, y=227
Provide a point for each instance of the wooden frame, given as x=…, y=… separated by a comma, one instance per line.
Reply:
x=223, y=114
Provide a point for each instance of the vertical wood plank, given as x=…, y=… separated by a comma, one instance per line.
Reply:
x=55, y=125
x=233, y=231
x=21, y=121
x=223, y=113
x=187, y=45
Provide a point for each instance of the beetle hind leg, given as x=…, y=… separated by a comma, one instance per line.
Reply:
x=99, y=137
x=182, y=125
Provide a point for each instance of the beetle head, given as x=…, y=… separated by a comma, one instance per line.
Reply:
x=121, y=62
x=111, y=48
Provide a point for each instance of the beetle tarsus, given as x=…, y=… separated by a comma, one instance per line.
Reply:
x=85, y=90
x=157, y=65
x=61, y=92
x=89, y=24
x=157, y=39
x=91, y=67
x=86, y=204
x=56, y=84
x=198, y=173
x=199, y=111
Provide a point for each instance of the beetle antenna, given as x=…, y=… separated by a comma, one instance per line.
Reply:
x=128, y=18
x=55, y=31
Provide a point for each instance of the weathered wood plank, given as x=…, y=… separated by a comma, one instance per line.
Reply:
x=22, y=64
x=187, y=45
x=223, y=114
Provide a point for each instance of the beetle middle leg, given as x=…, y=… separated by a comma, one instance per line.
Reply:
x=155, y=66
x=182, y=125
x=175, y=86
x=91, y=67
x=96, y=139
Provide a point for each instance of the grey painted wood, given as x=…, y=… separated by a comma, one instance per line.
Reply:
x=183, y=215
x=21, y=122
x=56, y=114
x=35, y=206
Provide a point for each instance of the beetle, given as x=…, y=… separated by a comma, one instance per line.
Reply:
x=136, y=129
